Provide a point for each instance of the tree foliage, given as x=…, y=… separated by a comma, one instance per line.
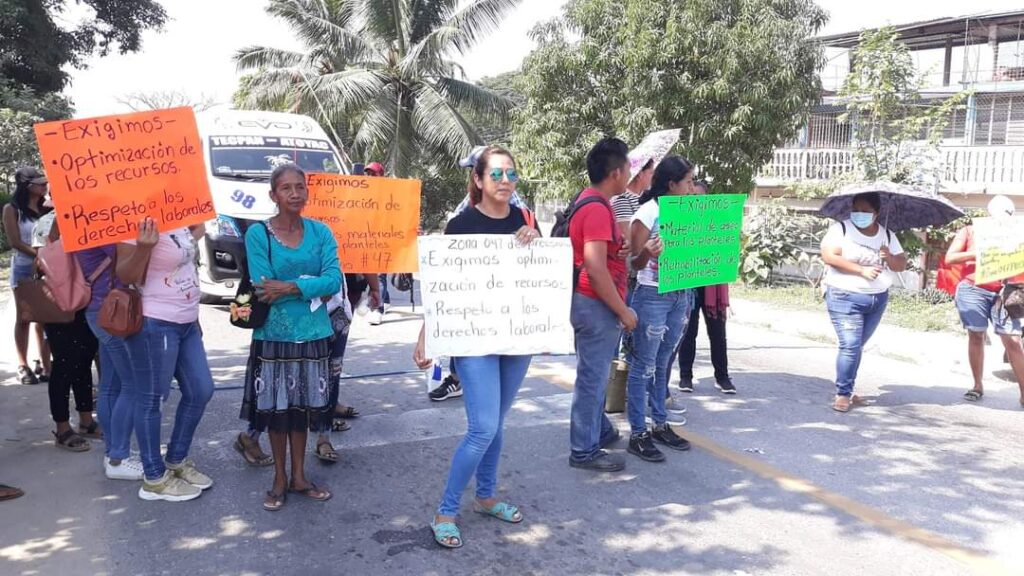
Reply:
x=735, y=75
x=20, y=109
x=35, y=49
x=380, y=74
x=160, y=99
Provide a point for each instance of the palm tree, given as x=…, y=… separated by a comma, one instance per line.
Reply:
x=380, y=73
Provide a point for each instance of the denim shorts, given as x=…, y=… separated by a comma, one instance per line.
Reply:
x=978, y=307
x=21, y=272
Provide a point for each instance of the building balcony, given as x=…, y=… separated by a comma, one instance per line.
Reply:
x=964, y=169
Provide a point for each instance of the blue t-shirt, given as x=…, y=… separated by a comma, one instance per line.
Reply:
x=313, y=266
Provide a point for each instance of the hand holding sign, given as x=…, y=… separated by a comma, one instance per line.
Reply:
x=108, y=174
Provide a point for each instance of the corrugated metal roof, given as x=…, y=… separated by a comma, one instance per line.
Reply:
x=931, y=34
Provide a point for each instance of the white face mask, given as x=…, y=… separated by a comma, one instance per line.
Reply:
x=862, y=219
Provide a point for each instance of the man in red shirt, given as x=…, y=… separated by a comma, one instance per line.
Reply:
x=599, y=312
x=979, y=305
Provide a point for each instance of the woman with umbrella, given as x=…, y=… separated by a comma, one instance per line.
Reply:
x=859, y=253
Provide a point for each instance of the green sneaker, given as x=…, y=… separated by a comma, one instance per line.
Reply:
x=170, y=488
x=188, y=472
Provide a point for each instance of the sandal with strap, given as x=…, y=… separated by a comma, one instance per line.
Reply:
x=253, y=455
x=341, y=411
x=973, y=395
x=446, y=534
x=339, y=425
x=502, y=511
x=91, y=431
x=858, y=401
x=72, y=441
x=326, y=452
x=314, y=492
x=274, y=501
x=841, y=404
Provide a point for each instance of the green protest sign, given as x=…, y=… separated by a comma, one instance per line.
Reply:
x=702, y=240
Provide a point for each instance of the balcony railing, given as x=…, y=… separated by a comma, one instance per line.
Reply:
x=964, y=168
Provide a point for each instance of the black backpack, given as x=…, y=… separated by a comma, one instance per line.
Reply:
x=561, y=228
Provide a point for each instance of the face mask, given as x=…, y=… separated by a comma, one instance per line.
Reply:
x=862, y=219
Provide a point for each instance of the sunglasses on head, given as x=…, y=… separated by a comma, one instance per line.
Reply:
x=496, y=175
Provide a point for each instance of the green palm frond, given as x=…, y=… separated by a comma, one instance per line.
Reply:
x=440, y=124
x=259, y=57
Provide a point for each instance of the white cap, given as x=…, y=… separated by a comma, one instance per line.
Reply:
x=1001, y=206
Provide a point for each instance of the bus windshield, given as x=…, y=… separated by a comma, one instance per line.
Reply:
x=255, y=157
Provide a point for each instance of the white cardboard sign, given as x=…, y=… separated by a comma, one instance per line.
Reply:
x=486, y=294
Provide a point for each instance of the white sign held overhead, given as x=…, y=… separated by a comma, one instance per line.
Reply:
x=486, y=294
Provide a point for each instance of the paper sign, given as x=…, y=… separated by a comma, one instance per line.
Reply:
x=702, y=240
x=485, y=294
x=1000, y=246
x=107, y=174
x=375, y=220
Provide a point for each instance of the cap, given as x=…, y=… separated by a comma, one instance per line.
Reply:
x=1001, y=206
x=376, y=167
x=30, y=175
x=474, y=155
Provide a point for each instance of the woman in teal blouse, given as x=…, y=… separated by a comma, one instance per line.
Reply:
x=293, y=262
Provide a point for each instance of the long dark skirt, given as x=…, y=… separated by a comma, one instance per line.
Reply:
x=288, y=386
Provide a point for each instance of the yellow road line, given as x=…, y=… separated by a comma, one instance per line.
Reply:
x=977, y=562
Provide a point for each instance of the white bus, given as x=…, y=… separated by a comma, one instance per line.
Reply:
x=241, y=149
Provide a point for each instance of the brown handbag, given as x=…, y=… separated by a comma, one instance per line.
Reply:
x=35, y=303
x=121, y=312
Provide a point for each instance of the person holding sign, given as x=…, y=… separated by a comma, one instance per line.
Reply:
x=20, y=217
x=599, y=311
x=661, y=318
x=858, y=254
x=979, y=305
x=288, y=385
x=491, y=382
x=170, y=345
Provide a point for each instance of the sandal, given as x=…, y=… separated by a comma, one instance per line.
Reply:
x=502, y=511
x=253, y=454
x=339, y=425
x=858, y=401
x=91, y=431
x=10, y=492
x=273, y=502
x=72, y=441
x=342, y=411
x=447, y=534
x=841, y=404
x=313, y=492
x=326, y=453
x=973, y=395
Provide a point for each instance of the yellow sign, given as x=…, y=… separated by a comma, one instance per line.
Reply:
x=1000, y=246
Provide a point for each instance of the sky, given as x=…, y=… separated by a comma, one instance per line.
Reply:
x=193, y=53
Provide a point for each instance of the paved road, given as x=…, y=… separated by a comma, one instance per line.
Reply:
x=918, y=483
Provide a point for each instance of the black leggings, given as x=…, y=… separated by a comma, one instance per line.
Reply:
x=716, y=337
x=74, y=348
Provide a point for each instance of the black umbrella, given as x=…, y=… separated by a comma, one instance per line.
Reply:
x=903, y=206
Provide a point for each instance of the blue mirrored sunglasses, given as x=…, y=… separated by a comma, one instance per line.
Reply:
x=511, y=174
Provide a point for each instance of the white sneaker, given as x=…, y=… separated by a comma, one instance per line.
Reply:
x=376, y=318
x=129, y=469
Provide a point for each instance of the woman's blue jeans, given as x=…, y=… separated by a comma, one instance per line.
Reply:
x=163, y=350
x=661, y=323
x=115, y=406
x=855, y=317
x=489, y=385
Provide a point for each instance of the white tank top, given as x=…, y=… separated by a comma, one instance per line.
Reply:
x=25, y=228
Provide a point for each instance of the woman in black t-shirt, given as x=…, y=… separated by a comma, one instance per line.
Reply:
x=489, y=383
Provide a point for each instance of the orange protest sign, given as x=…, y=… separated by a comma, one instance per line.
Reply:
x=374, y=220
x=107, y=174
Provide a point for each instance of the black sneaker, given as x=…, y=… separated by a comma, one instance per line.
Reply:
x=642, y=446
x=664, y=434
x=26, y=376
x=603, y=462
x=611, y=438
x=726, y=386
x=450, y=388
x=686, y=384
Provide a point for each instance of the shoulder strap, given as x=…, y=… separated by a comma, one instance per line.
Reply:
x=843, y=225
x=99, y=269
x=531, y=222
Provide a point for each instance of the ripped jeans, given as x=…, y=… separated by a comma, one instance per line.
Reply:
x=662, y=320
x=855, y=317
